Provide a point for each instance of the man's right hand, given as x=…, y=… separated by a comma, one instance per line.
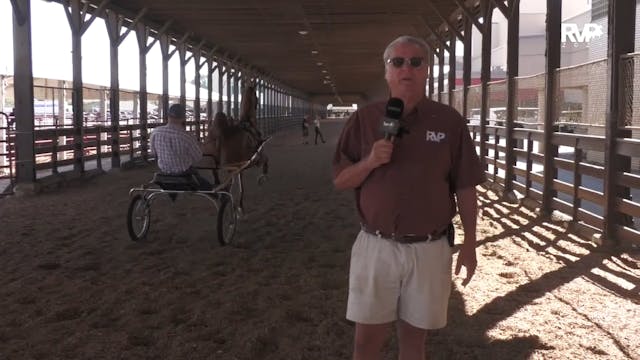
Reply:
x=352, y=176
x=380, y=153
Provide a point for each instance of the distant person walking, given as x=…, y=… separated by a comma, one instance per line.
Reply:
x=305, y=130
x=316, y=123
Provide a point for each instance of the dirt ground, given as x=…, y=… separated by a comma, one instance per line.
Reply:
x=73, y=286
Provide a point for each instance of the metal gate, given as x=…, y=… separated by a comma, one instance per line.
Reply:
x=7, y=154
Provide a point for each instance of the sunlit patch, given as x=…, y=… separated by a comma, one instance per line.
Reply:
x=538, y=238
x=541, y=287
x=510, y=223
x=618, y=280
x=561, y=253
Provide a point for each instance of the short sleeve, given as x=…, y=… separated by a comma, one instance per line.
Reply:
x=466, y=171
x=348, y=149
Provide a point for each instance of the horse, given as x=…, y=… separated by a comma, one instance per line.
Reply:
x=230, y=143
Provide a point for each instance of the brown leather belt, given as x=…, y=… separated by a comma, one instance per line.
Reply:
x=406, y=238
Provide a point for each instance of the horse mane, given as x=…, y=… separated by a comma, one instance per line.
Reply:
x=249, y=104
x=221, y=121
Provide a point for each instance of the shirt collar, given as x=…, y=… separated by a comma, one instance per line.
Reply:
x=175, y=126
x=419, y=108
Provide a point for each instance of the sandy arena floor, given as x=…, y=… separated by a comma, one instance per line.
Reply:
x=73, y=286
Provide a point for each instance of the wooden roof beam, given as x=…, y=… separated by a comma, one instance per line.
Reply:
x=503, y=8
x=469, y=15
x=450, y=25
x=435, y=34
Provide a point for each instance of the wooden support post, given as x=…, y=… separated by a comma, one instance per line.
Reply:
x=114, y=25
x=142, y=37
x=272, y=108
x=182, y=55
x=260, y=95
x=23, y=94
x=229, y=72
x=512, y=90
x=196, y=102
x=209, y=89
x=485, y=75
x=431, y=75
x=452, y=67
x=440, y=73
x=164, y=50
x=181, y=47
x=622, y=16
x=210, y=69
x=76, y=22
x=554, y=12
x=236, y=89
x=466, y=67
x=221, y=71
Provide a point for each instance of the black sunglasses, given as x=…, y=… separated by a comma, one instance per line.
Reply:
x=398, y=62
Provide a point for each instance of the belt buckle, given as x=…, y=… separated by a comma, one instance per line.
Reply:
x=414, y=238
x=391, y=236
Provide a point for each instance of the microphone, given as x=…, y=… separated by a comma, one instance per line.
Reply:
x=391, y=120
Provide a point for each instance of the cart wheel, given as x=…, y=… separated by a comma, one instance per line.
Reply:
x=138, y=218
x=227, y=219
x=236, y=190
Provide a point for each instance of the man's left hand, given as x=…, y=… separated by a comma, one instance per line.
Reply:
x=467, y=258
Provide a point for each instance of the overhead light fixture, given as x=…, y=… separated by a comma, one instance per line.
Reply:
x=303, y=32
x=314, y=52
x=324, y=71
x=319, y=63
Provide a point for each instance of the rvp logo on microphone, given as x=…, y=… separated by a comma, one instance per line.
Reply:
x=390, y=126
x=435, y=136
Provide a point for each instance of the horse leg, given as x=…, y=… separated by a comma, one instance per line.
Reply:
x=265, y=169
x=240, y=197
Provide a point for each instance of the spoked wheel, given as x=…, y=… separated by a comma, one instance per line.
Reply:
x=138, y=218
x=227, y=219
x=236, y=190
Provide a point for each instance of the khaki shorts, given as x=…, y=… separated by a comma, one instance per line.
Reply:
x=390, y=281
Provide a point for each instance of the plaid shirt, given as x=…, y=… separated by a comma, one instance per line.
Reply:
x=175, y=149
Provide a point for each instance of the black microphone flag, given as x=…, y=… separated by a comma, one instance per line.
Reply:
x=391, y=121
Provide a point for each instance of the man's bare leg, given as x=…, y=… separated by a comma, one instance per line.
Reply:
x=369, y=340
x=411, y=341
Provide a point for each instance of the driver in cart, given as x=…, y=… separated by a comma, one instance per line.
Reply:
x=177, y=151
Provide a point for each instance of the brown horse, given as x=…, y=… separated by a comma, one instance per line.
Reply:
x=232, y=144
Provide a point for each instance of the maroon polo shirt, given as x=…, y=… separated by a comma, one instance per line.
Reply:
x=414, y=192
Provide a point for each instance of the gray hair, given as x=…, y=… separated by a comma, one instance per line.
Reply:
x=405, y=39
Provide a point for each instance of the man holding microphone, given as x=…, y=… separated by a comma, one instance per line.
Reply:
x=411, y=163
